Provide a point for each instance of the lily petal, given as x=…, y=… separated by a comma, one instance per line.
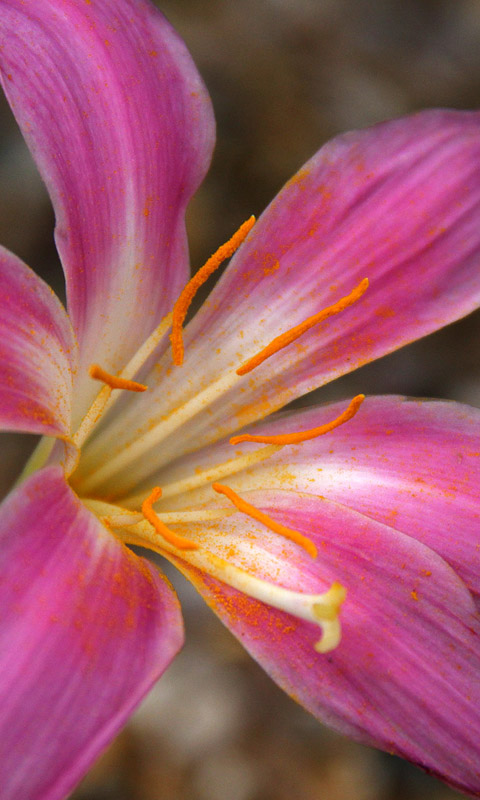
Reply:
x=132, y=143
x=87, y=627
x=398, y=204
x=37, y=353
x=412, y=464
x=405, y=674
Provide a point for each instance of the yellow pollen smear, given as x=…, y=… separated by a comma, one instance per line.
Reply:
x=114, y=381
x=183, y=303
x=276, y=527
x=170, y=536
x=290, y=336
x=303, y=436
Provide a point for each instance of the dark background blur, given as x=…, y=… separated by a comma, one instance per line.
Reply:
x=285, y=76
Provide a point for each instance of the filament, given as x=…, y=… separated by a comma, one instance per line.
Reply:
x=112, y=515
x=158, y=432
x=207, y=476
x=92, y=416
x=118, y=516
x=148, y=347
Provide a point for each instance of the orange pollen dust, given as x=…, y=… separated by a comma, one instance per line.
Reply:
x=183, y=303
x=114, y=381
x=276, y=527
x=303, y=436
x=284, y=339
x=170, y=536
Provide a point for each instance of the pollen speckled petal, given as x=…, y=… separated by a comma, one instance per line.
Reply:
x=87, y=627
x=121, y=127
x=37, y=353
x=397, y=204
x=405, y=674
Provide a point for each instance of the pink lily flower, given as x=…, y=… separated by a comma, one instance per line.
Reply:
x=346, y=563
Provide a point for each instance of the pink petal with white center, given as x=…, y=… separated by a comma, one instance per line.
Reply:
x=37, y=353
x=398, y=204
x=121, y=127
x=412, y=464
x=405, y=674
x=87, y=627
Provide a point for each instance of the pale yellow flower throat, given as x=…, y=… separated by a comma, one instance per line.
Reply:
x=141, y=524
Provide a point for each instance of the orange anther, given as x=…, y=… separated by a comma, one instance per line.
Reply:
x=303, y=436
x=114, y=381
x=284, y=339
x=170, y=536
x=183, y=303
x=276, y=527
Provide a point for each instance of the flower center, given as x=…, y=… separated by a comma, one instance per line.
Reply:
x=138, y=522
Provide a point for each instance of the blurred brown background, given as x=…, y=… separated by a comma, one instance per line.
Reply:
x=285, y=76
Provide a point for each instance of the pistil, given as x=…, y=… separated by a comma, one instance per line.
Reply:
x=320, y=609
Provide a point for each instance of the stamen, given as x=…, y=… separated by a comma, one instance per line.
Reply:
x=284, y=339
x=276, y=527
x=105, y=398
x=152, y=437
x=140, y=357
x=205, y=477
x=114, y=381
x=170, y=536
x=303, y=436
x=99, y=405
x=183, y=303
